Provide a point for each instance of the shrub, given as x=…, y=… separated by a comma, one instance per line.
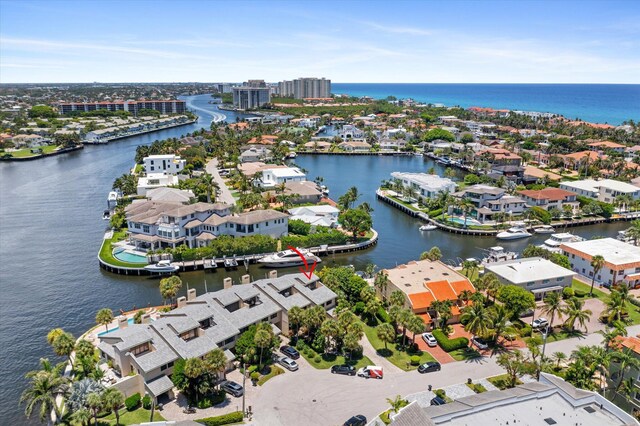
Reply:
x=132, y=402
x=359, y=308
x=146, y=402
x=415, y=360
x=225, y=419
x=383, y=315
x=449, y=345
x=435, y=213
x=567, y=293
x=440, y=393
x=317, y=359
x=300, y=345
x=579, y=293
x=255, y=376
x=252, y=368
x=299, y=227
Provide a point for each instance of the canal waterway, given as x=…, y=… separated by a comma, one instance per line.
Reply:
x=51, y=229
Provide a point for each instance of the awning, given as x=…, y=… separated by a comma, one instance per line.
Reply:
x=276, y=330
x=632, y=277
x=547, y=289
x=159, y=386
x=230, y=356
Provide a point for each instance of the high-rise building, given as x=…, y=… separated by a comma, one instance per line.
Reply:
x=163, y=106
x=251, y=97
x=309, y=87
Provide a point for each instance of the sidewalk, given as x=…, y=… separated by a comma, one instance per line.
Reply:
x=225, y=195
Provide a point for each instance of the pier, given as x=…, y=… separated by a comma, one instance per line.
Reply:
x=139, y=132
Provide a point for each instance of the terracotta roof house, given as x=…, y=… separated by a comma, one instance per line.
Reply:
x=549, y=198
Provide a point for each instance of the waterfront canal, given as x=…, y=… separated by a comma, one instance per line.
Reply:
x=51, y=230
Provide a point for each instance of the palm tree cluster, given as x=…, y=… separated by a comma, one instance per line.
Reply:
x=199, y=377
x=169, y=288
x=400, y=317
x=572, y=309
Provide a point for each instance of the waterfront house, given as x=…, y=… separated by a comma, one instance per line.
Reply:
x=148, y=351
x=500, y=157
x=631, y=401
x=168, y=164
x=153, y=225
x=605, y=190
x=317, y=146
x=274, y=176
x=539, y=276
x=355, y=146
x=489, y=200
x=29, y=141
x=606, y=146
x=255, y=154
x=170, y=195
x=263, y=140
x=622, y=260
x=155, y=180
x=549, y=198
x=303, y=192
x=424, y=186
x=392, y=144
x=425, y=281
x=323, y=215
x=349, y=132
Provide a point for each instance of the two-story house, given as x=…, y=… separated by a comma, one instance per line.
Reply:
x=549, y=198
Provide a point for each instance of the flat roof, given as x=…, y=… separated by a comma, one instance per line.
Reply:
x=615, y=252
x=424, y=179
x=528, y=269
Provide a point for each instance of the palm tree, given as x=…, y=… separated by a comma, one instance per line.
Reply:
x=94, y=403
x=82, y=416
x=500, y=321
x=396, y=403
x=113, y=399
x=552, y=306
x=574, y=312
x=597, y=263
x=625, y=360
x=466, y=206
x=634, y=232
x=397, y=298
x=193, y=370
x=469, y=267
x=610, y=334
x=104, y=317
x=433, y=254
x=41, y=395
x=331, y=330
x=386, y=333
x=403, y=319
x=415, y=325
x=559, y=357
x=262, y=339
x=64, y=346
x=210, y=185
x=477, y=320
x=296, y=317
x=381, y=283
x=616, y=307
x=53, y=335
x=216, y=361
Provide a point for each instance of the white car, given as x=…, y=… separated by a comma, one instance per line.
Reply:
x=288, y=363
x=429, y=340
x=479, y=343
x=540, y=323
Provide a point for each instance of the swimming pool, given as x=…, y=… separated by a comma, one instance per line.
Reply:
x=126, y=256
x=129, y=321
x=460, y=221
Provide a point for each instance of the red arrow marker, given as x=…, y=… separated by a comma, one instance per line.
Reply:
x=307, y=273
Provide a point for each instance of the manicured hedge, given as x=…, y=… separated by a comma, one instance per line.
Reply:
x=383, y=315
x=435, y=213
x=146, y=402
x=449, y=345
x=132, y=402
x=225, y=419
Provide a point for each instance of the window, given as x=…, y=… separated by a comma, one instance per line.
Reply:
x=529, y=284
x=145, y=228
x=273, y=316
x=545, y=281
x=560, y=279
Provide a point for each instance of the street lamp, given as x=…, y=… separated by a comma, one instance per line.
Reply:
x=544, y=345
x=244, y=389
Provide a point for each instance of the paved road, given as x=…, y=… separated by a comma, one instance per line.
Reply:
x=225, y=195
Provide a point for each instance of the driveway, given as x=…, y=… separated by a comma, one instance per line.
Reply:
x=594, y=305
x=225, y=195
x=437, y=352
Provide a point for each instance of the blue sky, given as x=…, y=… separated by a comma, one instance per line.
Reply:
x=349, y=41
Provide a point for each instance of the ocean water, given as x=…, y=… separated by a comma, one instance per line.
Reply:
x=599, y=103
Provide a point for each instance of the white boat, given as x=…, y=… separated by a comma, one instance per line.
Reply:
x=498, y=254
x=544, y=229
x=429, y=227
x=513, y=233
x=292, y=155
x=287, y=258
x=553, y=243
x=163, y=267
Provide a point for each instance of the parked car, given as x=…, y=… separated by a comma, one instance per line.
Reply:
x=358, y=420
x=429, y=340
x=232, y=388
x=288, y=363
x=348, y=370
x=479, y=343
x=539, y=323
x=430, y=366
x=290, y=351
x=371, y=371
x=437, y=401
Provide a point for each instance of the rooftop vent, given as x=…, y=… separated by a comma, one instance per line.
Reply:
x=590, y=409
x=407, y=285
x=550, y=421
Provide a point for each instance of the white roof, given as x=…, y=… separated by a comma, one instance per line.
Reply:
x=529, y=269
x=424, y=179
x=161, y=157
x=285, y=172
x=614, y=251
x=322, y=209
x=595, y=185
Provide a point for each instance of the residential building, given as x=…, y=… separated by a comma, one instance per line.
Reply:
x=605, y=190
x=272, y=177
x=424, y=185
x=250, y=97
x=306, y=87
x=355, y=146
x=630, y=402
x=29, y=141
x=255, y=154
x=550, y=401
x=200, y=324
x=489, y=200
x=392, y=144
x=350, y=132
x=604, y=146
x=425, y=281
x=155, y=180
x=550, y=198
x=172, y=106
x=323, y=215
x=538, y=275
x=500, y=157
x=154, y=225
x=303, y=192
x=317, y=146
x=622, y=260
x=170, y=195
x=581, y=159
x=169, y=164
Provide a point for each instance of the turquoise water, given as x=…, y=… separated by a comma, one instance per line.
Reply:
x=461, y=221
x=600, y=103
x=129, y=257
x=129, y=321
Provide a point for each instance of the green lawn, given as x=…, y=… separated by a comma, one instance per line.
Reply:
x=329, y=360
x=127, y=417
x=401, y=359
x=26, y=152
x=275, y=371
x=501, y=381
x=106, y=252
x=634, y=311
x=476, y=387
x=464, y=354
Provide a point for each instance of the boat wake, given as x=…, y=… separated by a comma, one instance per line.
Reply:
x=216, y=116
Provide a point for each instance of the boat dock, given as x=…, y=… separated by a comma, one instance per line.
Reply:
x=131, y=134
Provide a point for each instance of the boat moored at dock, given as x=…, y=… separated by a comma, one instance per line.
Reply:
x=288, y=258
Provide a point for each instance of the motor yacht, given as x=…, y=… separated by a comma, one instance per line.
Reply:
x=428, y=227
x=544, y=229
x=553, y=243
x=162, y=267
x=498, y=254
x=513, y=233
x=288, y=258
